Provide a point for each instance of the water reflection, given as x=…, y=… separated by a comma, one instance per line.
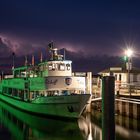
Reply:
x=18, y=125
x=127, y=129
x=90, y=130
x=23, y=126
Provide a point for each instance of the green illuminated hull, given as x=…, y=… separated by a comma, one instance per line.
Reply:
x=70, y=106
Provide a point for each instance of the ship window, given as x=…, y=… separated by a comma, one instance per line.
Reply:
x=50, y=67
x=68, y=66
x=53, y=66
x=56, y=66
x=120, y=77
x=62, y=66
x=23, y=74
x=115, y=76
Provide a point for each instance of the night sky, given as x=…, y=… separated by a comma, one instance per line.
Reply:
x=94, y=32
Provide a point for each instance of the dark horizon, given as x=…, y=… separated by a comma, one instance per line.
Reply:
x=94, y=64
x=87, y=29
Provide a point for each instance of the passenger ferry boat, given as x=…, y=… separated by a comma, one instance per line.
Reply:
x=48, y=88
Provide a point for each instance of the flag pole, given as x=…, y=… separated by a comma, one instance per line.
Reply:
x=33, y=60
x=64, y=54
x=41, y=57
x=26, y=61
x=13, y=55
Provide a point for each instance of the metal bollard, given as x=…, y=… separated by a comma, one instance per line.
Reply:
x=108, y=107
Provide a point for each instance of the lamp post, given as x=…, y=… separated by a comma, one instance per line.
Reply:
x=128, y=55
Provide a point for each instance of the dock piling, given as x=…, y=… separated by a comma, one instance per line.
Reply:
x=108, y=107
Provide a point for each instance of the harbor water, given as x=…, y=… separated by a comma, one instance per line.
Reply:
x=18, y=125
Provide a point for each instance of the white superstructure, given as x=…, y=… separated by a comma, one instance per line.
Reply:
x=60, y=78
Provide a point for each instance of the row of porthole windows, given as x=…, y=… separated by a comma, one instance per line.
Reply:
x=61, y=67
x=55, y=66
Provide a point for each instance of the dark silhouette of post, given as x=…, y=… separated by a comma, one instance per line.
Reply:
x=108, y=107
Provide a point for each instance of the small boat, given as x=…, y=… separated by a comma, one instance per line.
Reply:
x=48, y=88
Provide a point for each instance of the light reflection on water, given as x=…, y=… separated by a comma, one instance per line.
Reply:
x=18, y=125
x=90, y=130
x=127, y=128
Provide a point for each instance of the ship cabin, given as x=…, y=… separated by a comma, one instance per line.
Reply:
x=58, y=66
x=60, y=80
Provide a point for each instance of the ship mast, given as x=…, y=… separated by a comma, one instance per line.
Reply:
x=54, y=52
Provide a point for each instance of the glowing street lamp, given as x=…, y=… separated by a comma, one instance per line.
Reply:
x=128, y=58
x=128, y=52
